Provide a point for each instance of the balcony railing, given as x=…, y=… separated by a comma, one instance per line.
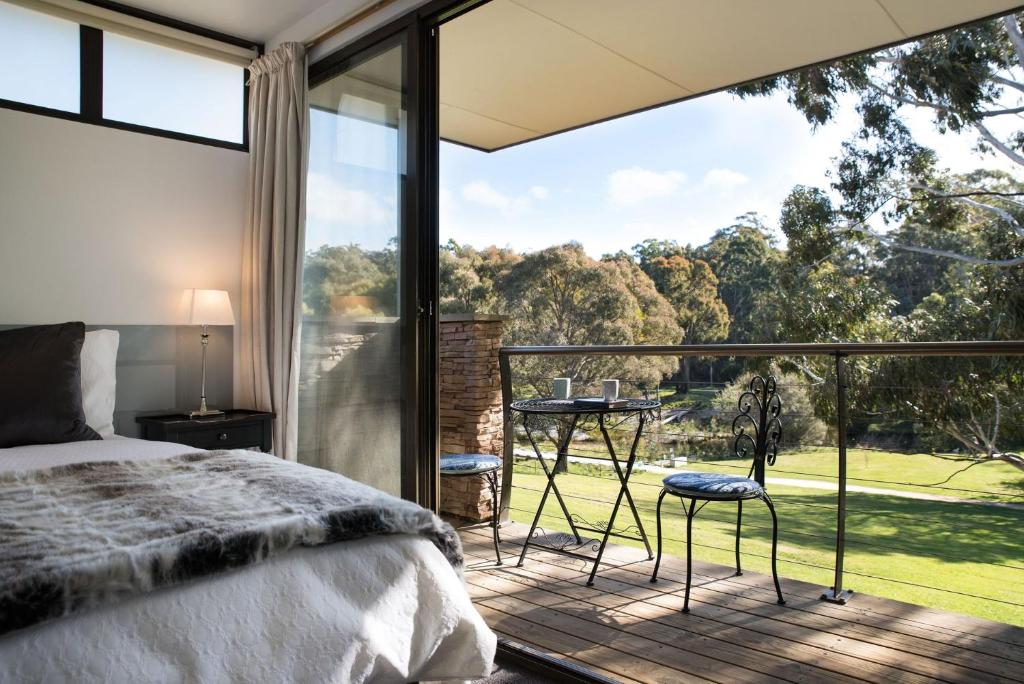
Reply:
x=839, y=354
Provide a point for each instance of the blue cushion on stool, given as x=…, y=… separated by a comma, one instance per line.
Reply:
x=712, y=486
x=469, y=464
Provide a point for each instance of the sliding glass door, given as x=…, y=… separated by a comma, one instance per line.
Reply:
x=366, y=326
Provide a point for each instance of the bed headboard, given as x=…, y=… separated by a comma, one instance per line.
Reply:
x=159, y=368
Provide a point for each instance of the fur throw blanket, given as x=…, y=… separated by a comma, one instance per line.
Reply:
x=82, y=535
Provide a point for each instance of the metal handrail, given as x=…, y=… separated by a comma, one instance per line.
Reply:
x=970, y=348
x=838, y=350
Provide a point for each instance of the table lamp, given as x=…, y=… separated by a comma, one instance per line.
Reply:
x=206, y=308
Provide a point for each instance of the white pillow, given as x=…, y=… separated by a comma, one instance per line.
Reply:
x=99, y=384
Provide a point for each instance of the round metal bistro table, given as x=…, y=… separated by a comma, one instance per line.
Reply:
x=533, y=410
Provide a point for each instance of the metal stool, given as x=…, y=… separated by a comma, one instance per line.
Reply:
x=486, y=465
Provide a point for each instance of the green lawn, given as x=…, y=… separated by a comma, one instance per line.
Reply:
x=960, y=557
x=921, y=473
x=887, y=470
x=697, y=397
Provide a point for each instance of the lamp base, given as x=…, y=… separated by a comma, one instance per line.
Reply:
x=203, y=409
x=205, y=412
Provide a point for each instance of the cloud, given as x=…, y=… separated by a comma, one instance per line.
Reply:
x=628, y=187
x=329, y=201
x=723, y=180
x=446, y=205
x=484, y=194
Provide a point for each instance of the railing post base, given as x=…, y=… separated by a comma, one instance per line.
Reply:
x=841, y=598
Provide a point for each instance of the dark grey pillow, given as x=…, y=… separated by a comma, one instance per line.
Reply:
x=41, y=385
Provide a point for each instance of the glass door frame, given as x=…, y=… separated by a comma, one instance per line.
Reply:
x=418, y=270
x=419, y=241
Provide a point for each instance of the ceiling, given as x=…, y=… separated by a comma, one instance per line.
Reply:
x=257, y=20
x=516, y=70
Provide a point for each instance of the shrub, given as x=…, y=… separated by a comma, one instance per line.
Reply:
x=799, y=424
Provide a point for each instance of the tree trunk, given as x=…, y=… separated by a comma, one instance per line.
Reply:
x=686, y=374
x=562, y=462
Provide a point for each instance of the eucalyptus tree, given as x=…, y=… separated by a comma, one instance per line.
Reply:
x=561, y=296
x=331, y=272
x=469, y=278
x=970, y=80
x=747, y=262
x=962, y=408
x=691, y=287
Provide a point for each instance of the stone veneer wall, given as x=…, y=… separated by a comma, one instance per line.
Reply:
x=471, y=419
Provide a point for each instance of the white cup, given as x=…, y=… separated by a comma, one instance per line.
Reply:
x=562, y=387
x=610, y=389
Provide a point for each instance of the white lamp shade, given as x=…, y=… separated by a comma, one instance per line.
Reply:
x=206, y=307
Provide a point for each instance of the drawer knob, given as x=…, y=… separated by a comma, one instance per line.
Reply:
x=222, y=436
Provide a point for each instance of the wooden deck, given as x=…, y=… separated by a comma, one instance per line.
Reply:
x=627, y=629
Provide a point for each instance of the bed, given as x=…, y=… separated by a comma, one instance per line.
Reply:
x=123, y=560
x=383, y=608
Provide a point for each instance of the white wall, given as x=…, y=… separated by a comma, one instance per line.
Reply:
x=108, y=226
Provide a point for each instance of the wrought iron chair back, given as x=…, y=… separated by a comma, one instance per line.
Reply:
x=757, y=426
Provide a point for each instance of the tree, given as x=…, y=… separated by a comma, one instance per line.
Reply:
x=461, y=290
x=956, y=227
x=747, y=264
x=975, y=402
x=800, y=427
x=827, y=292
x=656, y=317
x=837, y=288
x=806, y=221
x=348, y=270
x=912, y=277
x=692, y=289
x=651, y=249
x=469, y=278
x=560, y=296
x=968, y=79
x=825, y=305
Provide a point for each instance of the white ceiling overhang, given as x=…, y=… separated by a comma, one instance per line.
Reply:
x=517, y=70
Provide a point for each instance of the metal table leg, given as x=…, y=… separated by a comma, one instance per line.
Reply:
x=551, y=486
x=623, y=492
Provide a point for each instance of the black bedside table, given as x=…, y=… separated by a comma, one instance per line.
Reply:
x=237, y=429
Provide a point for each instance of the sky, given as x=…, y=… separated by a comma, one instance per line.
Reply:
x=675, y=173
x=679, y=172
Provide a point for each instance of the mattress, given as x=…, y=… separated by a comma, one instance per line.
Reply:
x=377, y=609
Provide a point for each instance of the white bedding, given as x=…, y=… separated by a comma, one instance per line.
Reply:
x=381, y=609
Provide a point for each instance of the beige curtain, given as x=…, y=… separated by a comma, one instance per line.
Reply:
x=274, y=237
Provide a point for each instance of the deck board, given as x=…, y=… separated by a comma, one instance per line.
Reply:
x=629, y=629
